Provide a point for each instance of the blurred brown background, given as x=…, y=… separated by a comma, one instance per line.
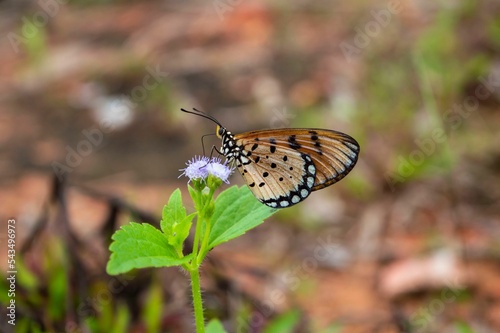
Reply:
x=409, y=242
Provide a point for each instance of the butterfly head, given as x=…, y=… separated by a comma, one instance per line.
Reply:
x=220, y=131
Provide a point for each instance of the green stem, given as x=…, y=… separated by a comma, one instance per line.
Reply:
x=198, y=305
x=199, y=222
x=201, y=206
x=199, y=252
x=204, y=243
x=204, y=240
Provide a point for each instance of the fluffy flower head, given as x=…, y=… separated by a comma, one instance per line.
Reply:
x=196, y=168
x=200, y=167
x=220, y=170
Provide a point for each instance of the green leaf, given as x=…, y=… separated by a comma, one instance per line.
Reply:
x=193, y=192
x=141, y=245
x=236, y=211
x=152, y=310
x=174, y=223
x=26, y=278
x=57, y=278
x=58, y=291
x=173, y=211
x=214, y=326
x=121, y=319
x=283, y=323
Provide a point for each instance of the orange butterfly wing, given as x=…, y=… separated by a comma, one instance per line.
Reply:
x=285, y=165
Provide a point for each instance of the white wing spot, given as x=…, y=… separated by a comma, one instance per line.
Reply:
x=310, y=182
x=295, y=199
x=284, y=203
x=311, y=168
x=304, y=193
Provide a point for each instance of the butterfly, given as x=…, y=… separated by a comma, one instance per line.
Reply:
x=283, y=166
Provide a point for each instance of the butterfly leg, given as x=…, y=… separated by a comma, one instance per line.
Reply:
x=212, y=152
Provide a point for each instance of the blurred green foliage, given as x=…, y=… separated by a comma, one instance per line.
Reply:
x=284, y=323
x=35, y=44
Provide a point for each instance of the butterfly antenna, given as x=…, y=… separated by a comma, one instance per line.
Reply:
x=202, y=114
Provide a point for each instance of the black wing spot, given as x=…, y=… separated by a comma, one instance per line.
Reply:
x=291, y=168
x=255, y=146
x=273, y=145
x=285, y=158
x=281, y=179
x=273, y=165
x=293, y=143
x=265, y=174
x=257, y=159
x=251, y=185
x=262, y=184
x=317, y=144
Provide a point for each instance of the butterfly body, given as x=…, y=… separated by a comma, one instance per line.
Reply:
x=283, y=166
